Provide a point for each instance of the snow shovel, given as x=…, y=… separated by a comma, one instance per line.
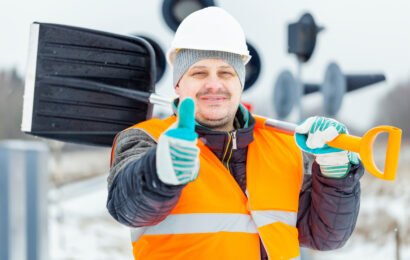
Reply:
x=85, y=86
x=56, y=108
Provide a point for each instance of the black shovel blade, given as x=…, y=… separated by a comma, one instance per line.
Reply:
x=57, y=108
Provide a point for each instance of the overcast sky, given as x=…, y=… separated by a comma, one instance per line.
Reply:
x=361, y=36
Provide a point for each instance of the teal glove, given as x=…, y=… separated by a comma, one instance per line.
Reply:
x=177, y=154
x=312, y=135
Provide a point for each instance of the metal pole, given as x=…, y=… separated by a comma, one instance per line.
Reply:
x=12, y=200
x=36, y=199
x=23, y=200
x=300, y=90
x=397, y=239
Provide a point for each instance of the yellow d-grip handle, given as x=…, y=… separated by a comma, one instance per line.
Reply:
x=364, y=146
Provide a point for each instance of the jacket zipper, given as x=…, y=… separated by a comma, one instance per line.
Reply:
x=234, y=140
x=227, y=156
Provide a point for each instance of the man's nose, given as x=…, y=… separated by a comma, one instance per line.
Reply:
x=213, y=82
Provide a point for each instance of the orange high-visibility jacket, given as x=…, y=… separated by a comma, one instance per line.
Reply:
x=214, y=219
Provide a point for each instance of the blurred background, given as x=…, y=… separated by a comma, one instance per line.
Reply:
x=367, y=40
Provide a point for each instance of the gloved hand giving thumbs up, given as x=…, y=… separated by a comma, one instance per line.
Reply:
x=177, y=154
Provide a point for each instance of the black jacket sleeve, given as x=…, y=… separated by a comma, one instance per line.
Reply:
x=136, y=196
x=328, y=208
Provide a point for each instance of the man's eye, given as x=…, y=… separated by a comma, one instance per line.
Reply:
x=226, y=73
x=198, y=73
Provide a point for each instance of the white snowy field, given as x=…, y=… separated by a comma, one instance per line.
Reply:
x=81, y=228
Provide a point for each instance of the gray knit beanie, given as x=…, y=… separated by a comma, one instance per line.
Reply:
x=186, y=57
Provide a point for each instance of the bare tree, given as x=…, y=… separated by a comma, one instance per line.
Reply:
x=394, y=108
x=11, y=102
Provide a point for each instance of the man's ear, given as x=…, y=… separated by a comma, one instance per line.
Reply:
x=177, y=89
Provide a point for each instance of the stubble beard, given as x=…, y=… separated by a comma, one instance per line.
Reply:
x=219, y=124
x=216, y=124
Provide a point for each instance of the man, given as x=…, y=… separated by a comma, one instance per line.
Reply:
x=212, y=182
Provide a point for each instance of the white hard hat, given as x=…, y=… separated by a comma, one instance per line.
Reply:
x=211, y=28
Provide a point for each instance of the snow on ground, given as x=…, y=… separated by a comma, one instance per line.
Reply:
x=81, y=228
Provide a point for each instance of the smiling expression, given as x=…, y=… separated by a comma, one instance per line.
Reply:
x=216, y=90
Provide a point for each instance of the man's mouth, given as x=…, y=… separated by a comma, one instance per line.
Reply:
x=213, y=98
x=218, y=95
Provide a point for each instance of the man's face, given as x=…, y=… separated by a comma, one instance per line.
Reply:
x=216, y=90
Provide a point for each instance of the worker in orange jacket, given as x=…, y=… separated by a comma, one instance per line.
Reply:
x=210, y=182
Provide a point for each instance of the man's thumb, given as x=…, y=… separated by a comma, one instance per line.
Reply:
x=186, y=114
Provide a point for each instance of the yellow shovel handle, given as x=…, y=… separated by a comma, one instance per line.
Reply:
x=364, y=146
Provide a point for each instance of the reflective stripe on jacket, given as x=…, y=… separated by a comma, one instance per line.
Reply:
x=214, y=219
